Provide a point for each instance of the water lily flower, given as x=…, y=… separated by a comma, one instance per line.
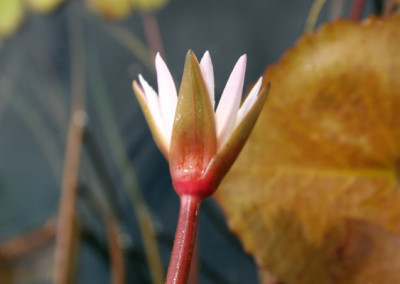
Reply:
x=200, y=144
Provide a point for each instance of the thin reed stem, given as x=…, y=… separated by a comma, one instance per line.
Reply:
x=66, y=237
x=356, y=11
x=152, y=33
x=313, y=15
x=113, y=137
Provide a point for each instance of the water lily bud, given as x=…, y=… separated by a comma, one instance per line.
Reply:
x=200, y=144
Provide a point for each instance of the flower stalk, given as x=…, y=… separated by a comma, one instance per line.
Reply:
x=185, y=238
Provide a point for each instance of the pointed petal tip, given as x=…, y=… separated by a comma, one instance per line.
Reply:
x=207, y=71
x=190, y=55
x=265, y=87
x=241, y=64
x=159, y=59
x=206, y=59
x=239, y=70
x=137, y=87
x=135, y=84
x=255, y=90
x=243, y=58
x=142, y=82
x=258, y=85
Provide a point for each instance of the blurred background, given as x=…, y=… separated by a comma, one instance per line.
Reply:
x=69, y=120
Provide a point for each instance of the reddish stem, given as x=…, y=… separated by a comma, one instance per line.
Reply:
x=179, y=265
x=357, y=9
x=152, y=33
x=194, y=266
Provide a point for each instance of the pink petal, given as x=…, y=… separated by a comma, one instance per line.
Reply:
x=230, y=101
x=167, y=94
x=249, y=102
x=154, y=107
x=208, y=75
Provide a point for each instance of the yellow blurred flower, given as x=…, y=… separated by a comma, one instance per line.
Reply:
x=11, y=16
x=43, y=6
x=119, y=9
x=110, y=8
x=12, y=12
x=146, y=5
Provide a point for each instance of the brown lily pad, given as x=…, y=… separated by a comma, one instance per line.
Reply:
x=371, y=252
x=326, y=149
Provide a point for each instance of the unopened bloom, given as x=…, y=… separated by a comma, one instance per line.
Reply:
x=199, y=143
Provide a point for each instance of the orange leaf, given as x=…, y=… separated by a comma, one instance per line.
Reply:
x=326, y=148
x=369, y=250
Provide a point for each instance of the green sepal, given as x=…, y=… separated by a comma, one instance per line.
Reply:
x=194, y=141
x=227, y=155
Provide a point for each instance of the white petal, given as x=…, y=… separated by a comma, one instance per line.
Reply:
x=167, y=94
x=249, y=102
x=208, y=75
x=154, y=107
x=230, y=101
